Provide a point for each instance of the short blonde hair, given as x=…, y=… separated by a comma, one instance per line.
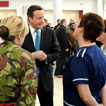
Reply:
x=11, y=26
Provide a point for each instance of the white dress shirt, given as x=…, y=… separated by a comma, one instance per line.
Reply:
x=33, y=33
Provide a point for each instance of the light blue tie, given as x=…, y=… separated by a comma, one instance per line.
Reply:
x=37, y=41
x=37, y=46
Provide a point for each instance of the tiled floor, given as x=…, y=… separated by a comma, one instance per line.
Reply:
x=58, y=92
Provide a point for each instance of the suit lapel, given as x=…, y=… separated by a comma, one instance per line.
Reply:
x=42, y=39
x=30, y=41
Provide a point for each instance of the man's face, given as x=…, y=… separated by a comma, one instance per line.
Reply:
x=65, y=23
x=38, y=19
x=72, y=26
x=71, y=20
x=44, y=23
x=59, y=21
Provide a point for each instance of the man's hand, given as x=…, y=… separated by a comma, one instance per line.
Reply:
x=40, y=55
x=67, y=50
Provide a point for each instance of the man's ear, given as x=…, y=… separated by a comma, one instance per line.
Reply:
x=29, y=19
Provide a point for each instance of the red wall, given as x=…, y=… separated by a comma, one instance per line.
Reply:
x=80, y=13
x=4, y=3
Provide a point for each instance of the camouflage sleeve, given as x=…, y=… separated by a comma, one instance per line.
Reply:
x=28, y=83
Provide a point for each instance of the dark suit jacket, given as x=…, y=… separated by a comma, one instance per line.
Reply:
x=50, y=46
x=63, y=40
x=47, y=26
x=56, y=26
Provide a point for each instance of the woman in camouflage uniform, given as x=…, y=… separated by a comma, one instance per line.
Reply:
x=18, y=79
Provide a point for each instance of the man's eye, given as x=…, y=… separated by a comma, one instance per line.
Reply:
x=38, y=18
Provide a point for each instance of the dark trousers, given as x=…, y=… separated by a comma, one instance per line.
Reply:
x=45, y=97
x=59, y=66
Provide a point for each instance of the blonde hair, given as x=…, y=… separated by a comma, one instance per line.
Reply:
x=11, y=26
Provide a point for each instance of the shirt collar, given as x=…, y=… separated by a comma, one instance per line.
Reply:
x=33, y=30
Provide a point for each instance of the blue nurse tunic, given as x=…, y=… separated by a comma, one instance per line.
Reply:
x=87, y=66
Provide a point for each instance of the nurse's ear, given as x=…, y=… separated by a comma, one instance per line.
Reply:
x=81, y=29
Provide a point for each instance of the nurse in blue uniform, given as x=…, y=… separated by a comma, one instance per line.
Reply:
x=85, y=72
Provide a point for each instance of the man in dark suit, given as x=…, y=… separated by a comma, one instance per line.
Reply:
x=58, y=24
x=61, y=34
x=49, y=52
x=45, y=24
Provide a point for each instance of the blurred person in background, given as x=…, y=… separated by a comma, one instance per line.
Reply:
x=102, y=39
x=71, y=21
x=61, y=35
x=50, y=25
x=71, y=39
x=45, y=24
x=58, y=24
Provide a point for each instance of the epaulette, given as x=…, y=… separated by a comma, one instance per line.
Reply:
x=81, y=52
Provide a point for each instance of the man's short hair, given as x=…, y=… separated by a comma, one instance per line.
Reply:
x=58, y=20
x=62, y=21
x=71, y=23
x=46, y=21
x=31, y=9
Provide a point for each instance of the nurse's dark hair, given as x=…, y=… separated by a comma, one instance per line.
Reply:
x=93, y=25
x=31, y=9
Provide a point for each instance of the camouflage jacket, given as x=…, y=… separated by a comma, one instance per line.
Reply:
x=18, y=79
